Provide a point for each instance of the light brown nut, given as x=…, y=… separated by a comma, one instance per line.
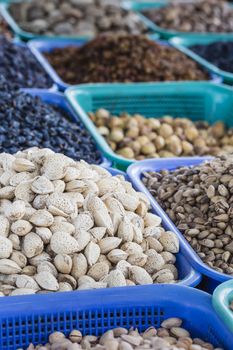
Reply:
x=9, y=267
x=117, y=255
x=108, y=244
x=32, y=245
x=21, y=227
x=139, y=275
x=92, y=253
x=47, y=281
x=98, y=271
x=63, y=263
x=6, y=247
x=115, y=279
x=24, y=281
x=63, y=243
x=4, y=226
x=79, y=266
x=42, y=185
x=42, y=218
x=170, y=242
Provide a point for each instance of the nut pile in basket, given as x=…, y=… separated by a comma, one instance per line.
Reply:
x=26, y=121
x=170, y=336
x=123, y=58
x=199, y=200
x=67, y=225
x=194, y=16
x=79, y=17
x=138, y=137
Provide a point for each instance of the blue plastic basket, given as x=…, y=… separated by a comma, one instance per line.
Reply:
x=39, y=47
x=58, y=99
x=29, y=319
x=211, y=278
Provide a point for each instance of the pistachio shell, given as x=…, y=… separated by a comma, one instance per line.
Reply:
x=47, y=281
x=21, y=227
x=63, y=226
x=92, y=253
x=32, y=245
x=151, y=219
x=170, y=242
x=44, y=233
x=155, y=261
x=83, y=221
x=19, y=258
x=107, y=185
x=15, y=211
x=36, y=260
x=139, y=275
x=109, y=243
x=22, y=291
x=24, y=281
x=117, y=255
x=116, y=279
x=83, y=238
x=125, y=230
x=79, y=265
x=59, y=204
x=132, y=248
x=124, y=266
x=4, y=226
x=98, y=233
x=46, y=266
x=42, y=185
x=98, y=271
x=40, y=201
x=63, y=243
x=9, y=267
x=55, y=166
x=42, y=218
x=63, y=263
x=137, y=259
x=6, y=247
x=163, y=276
x=7, y=192
x=21, y=164
x=23, y=191
x=128, y=201
x=100, y=213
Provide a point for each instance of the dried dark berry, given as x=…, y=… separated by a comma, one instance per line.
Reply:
x=26, y=122
x=218, y=53
x=19, y=66
x=123, y=58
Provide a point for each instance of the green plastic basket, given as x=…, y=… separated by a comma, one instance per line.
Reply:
x=195, y=100
x=221, y=299
x=139, y=7
x=183, y=45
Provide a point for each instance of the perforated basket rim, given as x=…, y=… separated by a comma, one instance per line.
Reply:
x=72, y=92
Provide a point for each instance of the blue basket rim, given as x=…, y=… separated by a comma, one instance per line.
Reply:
x=136, y=170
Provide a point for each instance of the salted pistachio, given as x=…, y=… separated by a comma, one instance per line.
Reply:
x=42, y=218
x=83, y=221
x=163, y=276
x=117, y=255
x=128, y=201
x=126, y=230
x=63, y=243
x=42, y=185
x=32, y=245
x=114, y=205
x=92, y=253
x=15, y=241
x=5, y=177
x=63, y=263
x=19, y=258
x=7, y=192
x=9, y=267
x=132, y=248
x=4, y=226
x=21, y=165
x=16, y=210
x=68, y=279
x=23, y=191
x=46, y=266
x=60, y=204
x=79, y=266
x=6, y=247
x=18, y=178
x=115, y=279
x=29, y=270
x=47, y=281
x=82, y=238
x=155, y=261
x=44, y=233
x=124, y=267
x=54, y=167
x=100, y=213
x=64, y=287
x=39, y=201
x=98, y=271
x=22, y=291
x=108, y=244
x=59, y=186
x=62, y=226
x=154, y=243
x=38, y=259
x=24, y=281
x=170, y=242
x=21, y=227
x=139, y=275
x=98, y=233
x=151, y=219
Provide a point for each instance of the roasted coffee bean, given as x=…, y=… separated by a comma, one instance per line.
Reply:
x=79, y=17
x=194, y=16
x=19, y=66
x=218, y=53
x=138, y=137
x=213, y=242
x=123, y=58
x=26, y=121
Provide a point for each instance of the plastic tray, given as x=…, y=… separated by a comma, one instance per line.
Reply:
x=211, y=278
x=183, y=45
x=38, y=47
x=58, y=99
x=222, y=297
x=139, y=7
x=29, y=319
x=25, y=36
x=195, y=100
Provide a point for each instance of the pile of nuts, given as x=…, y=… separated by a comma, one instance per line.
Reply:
x=20, y=67
x=170, y=336
x=138, y=137
x=123, y=58
x=76, y=17
x=199, y=200
x=194, y=16
x=67, y=225
x=218, y=53
x=26, y=122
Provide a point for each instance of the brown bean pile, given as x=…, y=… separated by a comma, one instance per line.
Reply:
x=138, y=137
x=169, y=336
x=76, y=17
x=200, y=16
x=123, y=58
x=199, y=200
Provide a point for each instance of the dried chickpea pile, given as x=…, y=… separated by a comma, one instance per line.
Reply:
x=138, y=137
x=199, y=200
x=67, y=225
x=170, y=336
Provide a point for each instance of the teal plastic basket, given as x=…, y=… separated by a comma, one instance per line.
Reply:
x=183, y=45
x=221, y=299
x=195, y=100
x=141, y=6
